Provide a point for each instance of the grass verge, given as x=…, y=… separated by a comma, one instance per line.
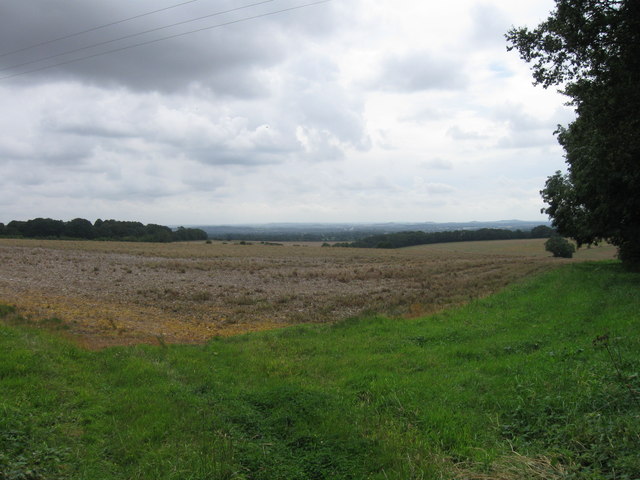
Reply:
x=539, y=381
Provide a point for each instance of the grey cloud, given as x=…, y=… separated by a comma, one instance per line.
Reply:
x=91, y=130
x=364, y=186
x=425, y=115
x=419, y=71
x=137, y=126
x=200, y=179
x=318, y=68
x=107, y=105
x=516, y=118
x=317, y=106
x=383, y=140
x=43, y=149
x=111, y=177
x=228, y=157
x=489, y=24
x=526, y=139
x=330, y=110
x=14, y=149
x=318, y=145
x=318, y=21
x=438, y=164
x=226, y=60
x=89, y=119
x=14, y=173
x=430, y=188
x=458, y=133
x=526, y=130
x=439, y=188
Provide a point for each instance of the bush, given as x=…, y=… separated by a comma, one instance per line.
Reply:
x=559, y=246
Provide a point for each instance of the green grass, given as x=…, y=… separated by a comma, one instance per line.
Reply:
x=509, y=387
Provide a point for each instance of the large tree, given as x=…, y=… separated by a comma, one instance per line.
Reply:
x=590, y=49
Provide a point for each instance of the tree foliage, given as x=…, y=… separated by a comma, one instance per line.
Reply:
x=100, y=229
x=408, y=239
x=559, y=247
x=591, y=50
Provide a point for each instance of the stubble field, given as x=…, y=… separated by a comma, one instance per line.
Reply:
x=110, y=293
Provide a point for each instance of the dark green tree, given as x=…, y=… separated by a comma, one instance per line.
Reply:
x=591, y=50
x=157, y=233
x=79, y=228
x=542, y=231
x=43, y=227
x=559, y=247
x=188, y=234
x=14, y=228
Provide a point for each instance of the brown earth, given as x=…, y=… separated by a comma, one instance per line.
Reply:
x=109, y=293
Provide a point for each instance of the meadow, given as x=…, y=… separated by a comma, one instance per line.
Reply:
x=119, y=293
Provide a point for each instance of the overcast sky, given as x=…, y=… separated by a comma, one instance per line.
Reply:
x=345, y=111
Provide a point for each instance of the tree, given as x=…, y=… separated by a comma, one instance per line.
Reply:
x=79, y=228
x=591, y=50
x=43, y=227
x=542, y=231
x=559, y=247
x=157, y=233
x=188, y=234
x=14, y=228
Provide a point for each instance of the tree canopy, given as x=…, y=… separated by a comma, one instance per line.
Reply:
x=100, y=229
x=590, y=49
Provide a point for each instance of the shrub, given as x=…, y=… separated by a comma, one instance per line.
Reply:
x=559, y=246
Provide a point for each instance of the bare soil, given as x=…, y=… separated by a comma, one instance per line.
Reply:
x=109, y=293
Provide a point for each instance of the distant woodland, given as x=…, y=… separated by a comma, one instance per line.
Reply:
x=408, y=239
x=79, y=228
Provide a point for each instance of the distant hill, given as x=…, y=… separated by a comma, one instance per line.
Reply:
x=347, y=232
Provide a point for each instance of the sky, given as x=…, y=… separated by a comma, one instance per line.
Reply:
x=272, y=111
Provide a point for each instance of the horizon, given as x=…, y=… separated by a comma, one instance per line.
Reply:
x=255, y=224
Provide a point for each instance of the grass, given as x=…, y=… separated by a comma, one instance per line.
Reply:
x=539, y=381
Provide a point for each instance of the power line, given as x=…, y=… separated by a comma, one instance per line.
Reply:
x=297, y=7
x=132, y=35
x=93, y=29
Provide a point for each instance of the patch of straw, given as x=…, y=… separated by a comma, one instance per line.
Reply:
x=512, y=467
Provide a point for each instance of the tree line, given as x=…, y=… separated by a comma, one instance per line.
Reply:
x=80, y=228
x=408, y=239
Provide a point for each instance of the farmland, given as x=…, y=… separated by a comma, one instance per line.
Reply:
x=118, y=293
x=538, y=381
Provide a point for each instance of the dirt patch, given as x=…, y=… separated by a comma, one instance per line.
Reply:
x=110, y=293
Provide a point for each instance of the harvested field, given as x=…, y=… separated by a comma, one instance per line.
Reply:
x=110, y=293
